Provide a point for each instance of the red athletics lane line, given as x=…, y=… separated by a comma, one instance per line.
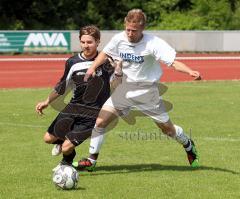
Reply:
x=35, y=74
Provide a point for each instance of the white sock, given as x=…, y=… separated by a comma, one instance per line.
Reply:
x=181, y=137
x=92, y=160
x=97, y=139
x=189, y=147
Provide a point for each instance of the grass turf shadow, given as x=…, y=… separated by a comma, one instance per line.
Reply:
x=114, y=169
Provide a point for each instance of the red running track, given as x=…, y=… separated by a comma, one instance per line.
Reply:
x=15, y=72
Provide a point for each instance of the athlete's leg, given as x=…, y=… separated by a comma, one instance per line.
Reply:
x=52, y=139
x=49, y=138
x=54, y=134
x=68, y=150
x=106, y=120
x=173, y=131
x=176, y=132
x=106, y=116
x=67, y=147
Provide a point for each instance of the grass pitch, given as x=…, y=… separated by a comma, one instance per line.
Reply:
x=136, y=161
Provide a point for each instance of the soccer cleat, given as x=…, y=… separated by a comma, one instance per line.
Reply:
x=84, y=165
x=193, y=156
x=56, y=150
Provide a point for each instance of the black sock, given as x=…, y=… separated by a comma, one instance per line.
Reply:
x=68, y=159
x=58, y=141
x=94, y=156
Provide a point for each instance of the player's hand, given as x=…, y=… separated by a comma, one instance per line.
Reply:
x=113, y=64
x=90, y=73
x=40, y=106
x=196, y=75
x=115, y=81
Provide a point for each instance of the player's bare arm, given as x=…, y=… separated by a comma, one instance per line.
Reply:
x=98, y=61
x=118, y=68
x=181, y=67
x=118, y=74
x=44, y=104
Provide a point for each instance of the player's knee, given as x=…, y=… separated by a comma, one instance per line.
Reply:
x=101, y=123
x=48, y=138
x=67, y=147
x=105, y=118
x=169, y=130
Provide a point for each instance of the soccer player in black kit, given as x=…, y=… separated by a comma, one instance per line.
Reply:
x=75, y=122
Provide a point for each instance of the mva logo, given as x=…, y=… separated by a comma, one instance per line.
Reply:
x=46, y=39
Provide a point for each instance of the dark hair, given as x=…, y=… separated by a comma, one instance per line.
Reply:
x=90, y=30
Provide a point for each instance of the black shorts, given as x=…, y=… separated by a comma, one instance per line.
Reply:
x=76, y=129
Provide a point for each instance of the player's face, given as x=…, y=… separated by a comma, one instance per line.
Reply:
x=89, y=46
x=134, y=32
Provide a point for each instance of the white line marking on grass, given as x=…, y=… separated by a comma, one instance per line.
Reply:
x=221, y=139
x=22, y=125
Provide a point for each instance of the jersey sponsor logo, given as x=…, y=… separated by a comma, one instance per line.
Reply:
x=130, y=57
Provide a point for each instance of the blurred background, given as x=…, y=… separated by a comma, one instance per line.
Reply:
x=52, y=25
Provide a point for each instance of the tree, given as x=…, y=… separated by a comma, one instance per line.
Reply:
x=109, y=15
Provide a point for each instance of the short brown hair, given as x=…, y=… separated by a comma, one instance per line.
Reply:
x=136, y=16
x=90, y=30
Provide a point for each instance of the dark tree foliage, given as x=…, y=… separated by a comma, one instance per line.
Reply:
x=109, y=15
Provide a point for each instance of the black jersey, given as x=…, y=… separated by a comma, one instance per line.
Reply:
x=93, y=93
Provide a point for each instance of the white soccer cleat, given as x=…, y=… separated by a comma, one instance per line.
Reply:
x=57, y=149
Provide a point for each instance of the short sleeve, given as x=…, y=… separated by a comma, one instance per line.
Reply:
x=64, y=83
x=163, y=52
x=111, y=49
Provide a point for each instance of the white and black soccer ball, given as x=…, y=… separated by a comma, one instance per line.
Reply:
x=65, y=177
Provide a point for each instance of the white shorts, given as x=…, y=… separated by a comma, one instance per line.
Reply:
x=142, y=96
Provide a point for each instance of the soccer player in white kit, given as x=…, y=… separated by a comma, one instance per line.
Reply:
x=140, y=55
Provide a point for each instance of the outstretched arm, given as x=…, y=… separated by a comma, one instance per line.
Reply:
x=181, y=67
x=118, y=73
x=101, y=58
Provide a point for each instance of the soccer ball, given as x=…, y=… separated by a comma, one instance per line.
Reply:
x=65, y=177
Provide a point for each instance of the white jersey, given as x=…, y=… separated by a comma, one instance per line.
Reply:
x=141, y=61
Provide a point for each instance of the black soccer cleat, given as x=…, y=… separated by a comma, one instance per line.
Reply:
x=193, y=156
x=84, y=165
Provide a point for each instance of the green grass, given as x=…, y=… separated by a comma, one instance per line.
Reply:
x=139, y=167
